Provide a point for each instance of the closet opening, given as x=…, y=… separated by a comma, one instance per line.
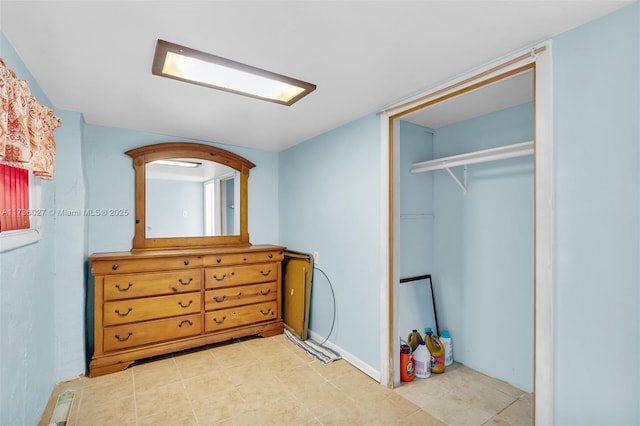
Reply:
x=467, y=216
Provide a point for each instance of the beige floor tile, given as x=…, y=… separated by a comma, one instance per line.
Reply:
x=284, y=411
x=259, y=345
x=322, y=398
x=333, y=369
x=421, y=417
x=281, y=362
x=359, y=386
x=456, y=401
x=213, y=410
x=352, y=414
x=260, y=395
x=172, y=418
x=209, y=386
x=520, y=413
x=234, y=355
x=163, y=400
x=196, y=363
x=300, y=377
x=118, y=384
x=248, y=374
x=269, y=381
x=463, y=374
x=157, y=373
x=391, y=408
x=111, y=411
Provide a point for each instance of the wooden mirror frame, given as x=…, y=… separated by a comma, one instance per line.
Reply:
x=163, y=151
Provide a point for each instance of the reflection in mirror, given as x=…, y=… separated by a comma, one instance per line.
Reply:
x=191, y=197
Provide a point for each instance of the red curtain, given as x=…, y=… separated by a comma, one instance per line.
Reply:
x=14, y=198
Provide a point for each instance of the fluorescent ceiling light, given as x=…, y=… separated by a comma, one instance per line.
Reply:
x=176, y=163
x=192, y=66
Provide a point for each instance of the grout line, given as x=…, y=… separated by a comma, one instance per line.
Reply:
x=135, y=399
x=184, y=387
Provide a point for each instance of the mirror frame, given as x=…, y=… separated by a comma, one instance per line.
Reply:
x=162, y=151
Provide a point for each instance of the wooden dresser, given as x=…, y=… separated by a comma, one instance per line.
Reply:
x=156, y=302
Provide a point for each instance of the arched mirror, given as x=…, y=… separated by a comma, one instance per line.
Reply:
x=189, y=195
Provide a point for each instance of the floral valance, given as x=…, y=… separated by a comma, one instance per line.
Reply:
x=26, y=127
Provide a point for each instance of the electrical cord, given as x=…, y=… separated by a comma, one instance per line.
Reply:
x=333, y=296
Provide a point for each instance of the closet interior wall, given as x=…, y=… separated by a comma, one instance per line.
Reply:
x=479, y=247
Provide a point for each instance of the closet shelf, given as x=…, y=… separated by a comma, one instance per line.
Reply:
x=492, y=154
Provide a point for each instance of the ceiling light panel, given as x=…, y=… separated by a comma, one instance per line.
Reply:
x=193, y=66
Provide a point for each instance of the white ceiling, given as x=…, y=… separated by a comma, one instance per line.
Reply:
x=506, y=93
x=95, y=56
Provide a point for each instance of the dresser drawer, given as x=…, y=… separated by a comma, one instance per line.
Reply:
x=241, y=274
x=132, y=310
x=143, y=333
x=120, y=266
x=241, y=295
x=241, y=258
x=235, y=317
x=127, y=286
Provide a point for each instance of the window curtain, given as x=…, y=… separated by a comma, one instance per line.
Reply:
x=26, y=127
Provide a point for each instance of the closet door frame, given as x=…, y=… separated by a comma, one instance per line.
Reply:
x=539, y=59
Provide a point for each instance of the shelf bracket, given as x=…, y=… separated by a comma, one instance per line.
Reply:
x=463, y=186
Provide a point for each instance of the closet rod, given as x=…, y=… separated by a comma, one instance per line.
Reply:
x=492, y=154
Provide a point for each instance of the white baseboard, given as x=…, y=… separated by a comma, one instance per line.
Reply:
x=350, y=358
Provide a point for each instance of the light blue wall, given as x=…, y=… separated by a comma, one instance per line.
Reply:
x=330, y=189
x=167, y=203
x=416, y=230
x=27, y=315
x=483, y=247
x=110, y=180
x=70, y=252
x=597, y=211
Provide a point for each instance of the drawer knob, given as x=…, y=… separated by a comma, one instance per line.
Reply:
x=185, y=283
x=264, y=274
x=221, y=278
x=124, y=289
x=263, y=293
x=219, y=322
x=219, y=299
x=265, y=313
x=270, y=256
x=218, y=260
x=125, y=314
x=186, y=263
x=183, y=322
x=185, y=306
x=124, y=339
x=115, y=266
x=244, y=259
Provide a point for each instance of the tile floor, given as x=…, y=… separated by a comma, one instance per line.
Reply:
x=271, y=382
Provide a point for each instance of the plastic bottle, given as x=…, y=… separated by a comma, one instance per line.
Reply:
x=414, y=339
x=407, y=368
x=421, y=358
x=437, y=351
x=445, y=338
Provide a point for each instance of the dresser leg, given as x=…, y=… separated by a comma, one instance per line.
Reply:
x=101, y=370
x=272, y=330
